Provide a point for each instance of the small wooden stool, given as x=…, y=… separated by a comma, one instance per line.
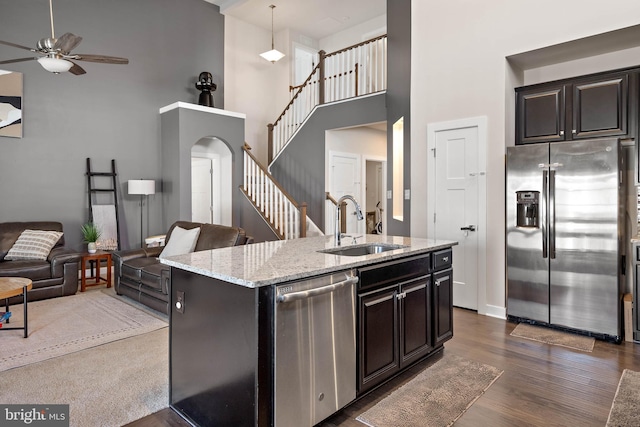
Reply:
x=11, y=287
x=97, y=279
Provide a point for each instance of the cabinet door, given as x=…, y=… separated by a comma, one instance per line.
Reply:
x=415, y=320
x=443, y=308
x=600, y=107
x=378, y=358
x=540, y=114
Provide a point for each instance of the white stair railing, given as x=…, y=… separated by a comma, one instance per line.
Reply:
x=285, y=216
x=357, y=70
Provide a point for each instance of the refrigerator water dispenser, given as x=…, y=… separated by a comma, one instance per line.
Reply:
x=527, y=208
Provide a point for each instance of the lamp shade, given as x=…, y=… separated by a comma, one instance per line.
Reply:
x=142, y=186
x=272, y=55
x=55, y=65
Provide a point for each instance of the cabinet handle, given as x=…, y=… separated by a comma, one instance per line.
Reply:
x=401, y=295
x=445, y=259
x=574, y=131
x=561, y=133
x=441, y=280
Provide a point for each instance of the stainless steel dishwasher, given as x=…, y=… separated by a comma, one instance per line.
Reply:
x=315, y=348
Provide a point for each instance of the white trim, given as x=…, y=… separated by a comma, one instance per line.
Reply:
x=363, y=189
x=481, y=124
x=202, y=108
x=495, y=311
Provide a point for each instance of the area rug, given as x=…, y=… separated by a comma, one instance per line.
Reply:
x=60, y=326
x=108, y=386
x=554, y=337
x=625, y=409
x=436, y=397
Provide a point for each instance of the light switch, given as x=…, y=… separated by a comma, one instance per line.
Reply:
x=389, y=195
x=407, y=194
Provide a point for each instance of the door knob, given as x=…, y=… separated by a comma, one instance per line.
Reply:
x=469, y=228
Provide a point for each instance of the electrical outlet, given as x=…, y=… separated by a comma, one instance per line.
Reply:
x=180, y=301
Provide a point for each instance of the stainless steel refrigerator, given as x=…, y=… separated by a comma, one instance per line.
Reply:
x=564, y=235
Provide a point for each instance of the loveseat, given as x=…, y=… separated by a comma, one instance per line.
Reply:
x=140, y=275
x=55, y=276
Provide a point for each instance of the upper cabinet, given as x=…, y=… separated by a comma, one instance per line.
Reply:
x=584, y=107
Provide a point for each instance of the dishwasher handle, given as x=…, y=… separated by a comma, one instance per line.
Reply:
x=295, y=296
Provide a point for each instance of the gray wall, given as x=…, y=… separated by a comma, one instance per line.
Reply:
x=399, y=102
x=181, y=129
x=109, y=113
x=300, y=168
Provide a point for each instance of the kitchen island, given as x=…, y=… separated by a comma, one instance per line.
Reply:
x=272, y=332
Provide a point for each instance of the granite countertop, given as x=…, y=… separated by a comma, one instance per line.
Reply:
x=268, y=263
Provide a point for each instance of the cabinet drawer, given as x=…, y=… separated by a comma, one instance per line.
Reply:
x=393, y=272
x=637, y=251
x=442, y=259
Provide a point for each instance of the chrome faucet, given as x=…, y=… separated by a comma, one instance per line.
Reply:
x=359, y=215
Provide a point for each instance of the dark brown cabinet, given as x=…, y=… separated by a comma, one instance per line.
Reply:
x=378, y=337
x=585, y=107
x=443, y=299
x=402, y=316
x=540, y=114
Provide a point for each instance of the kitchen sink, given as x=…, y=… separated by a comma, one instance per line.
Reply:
x=373, y=248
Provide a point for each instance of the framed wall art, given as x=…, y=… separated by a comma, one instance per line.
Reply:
x=10, y=104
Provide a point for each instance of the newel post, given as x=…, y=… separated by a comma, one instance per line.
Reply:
x=270, y=142
x=303, y=219
x=322, y=54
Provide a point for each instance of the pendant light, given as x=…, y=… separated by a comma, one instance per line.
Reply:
x=272, y=55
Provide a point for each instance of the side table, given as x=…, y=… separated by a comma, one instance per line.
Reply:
x=11, y=287
x=96, y=279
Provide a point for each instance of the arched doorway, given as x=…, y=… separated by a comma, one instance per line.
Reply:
x=211, y=186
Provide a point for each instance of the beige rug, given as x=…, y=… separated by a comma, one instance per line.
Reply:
x=554, y=337
x=436, y=397
x=107, y=386
x=625, y=409
x=64, y=325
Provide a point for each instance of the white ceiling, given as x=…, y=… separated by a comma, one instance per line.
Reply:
x=313, y=18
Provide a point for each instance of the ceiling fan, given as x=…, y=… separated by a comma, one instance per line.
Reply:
x=55, y=53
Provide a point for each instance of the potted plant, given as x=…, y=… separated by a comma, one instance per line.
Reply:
x=90, y=234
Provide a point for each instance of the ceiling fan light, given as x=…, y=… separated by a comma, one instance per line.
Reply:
x=272, y=55
x=55, y=65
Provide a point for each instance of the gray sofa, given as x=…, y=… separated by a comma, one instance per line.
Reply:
x=140, y=275
x=54, y=277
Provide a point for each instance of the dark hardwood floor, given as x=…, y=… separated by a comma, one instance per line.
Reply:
x=542, y=385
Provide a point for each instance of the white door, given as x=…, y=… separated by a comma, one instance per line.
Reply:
x=456, y=207
x=345, y=179
x=201, y=190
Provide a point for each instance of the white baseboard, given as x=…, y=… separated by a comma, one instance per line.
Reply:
x=496, y=311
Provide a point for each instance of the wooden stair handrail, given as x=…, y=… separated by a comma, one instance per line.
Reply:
x=247, y=149
x=301, y=207
x=343, y=211
x=375, y=39
x=301, y=87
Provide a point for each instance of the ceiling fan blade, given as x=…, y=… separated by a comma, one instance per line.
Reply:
x=17, y=45
x=76, y=69
x=100, y=58
x=10, y=61
x=67, y=42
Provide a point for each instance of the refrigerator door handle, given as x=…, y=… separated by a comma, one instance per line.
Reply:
x=552, y=214
x=543, y=212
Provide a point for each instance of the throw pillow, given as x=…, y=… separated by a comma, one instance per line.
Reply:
x=33, y=244
x=181, y=242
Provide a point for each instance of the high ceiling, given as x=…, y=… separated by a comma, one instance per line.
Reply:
x=314, y=18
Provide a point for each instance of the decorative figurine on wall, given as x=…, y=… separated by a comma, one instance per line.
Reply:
x=206, y=85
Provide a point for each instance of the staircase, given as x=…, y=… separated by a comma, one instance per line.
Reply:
x=347, y=73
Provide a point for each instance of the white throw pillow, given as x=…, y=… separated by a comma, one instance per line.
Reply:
x=33, y=244
x=181, y=242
